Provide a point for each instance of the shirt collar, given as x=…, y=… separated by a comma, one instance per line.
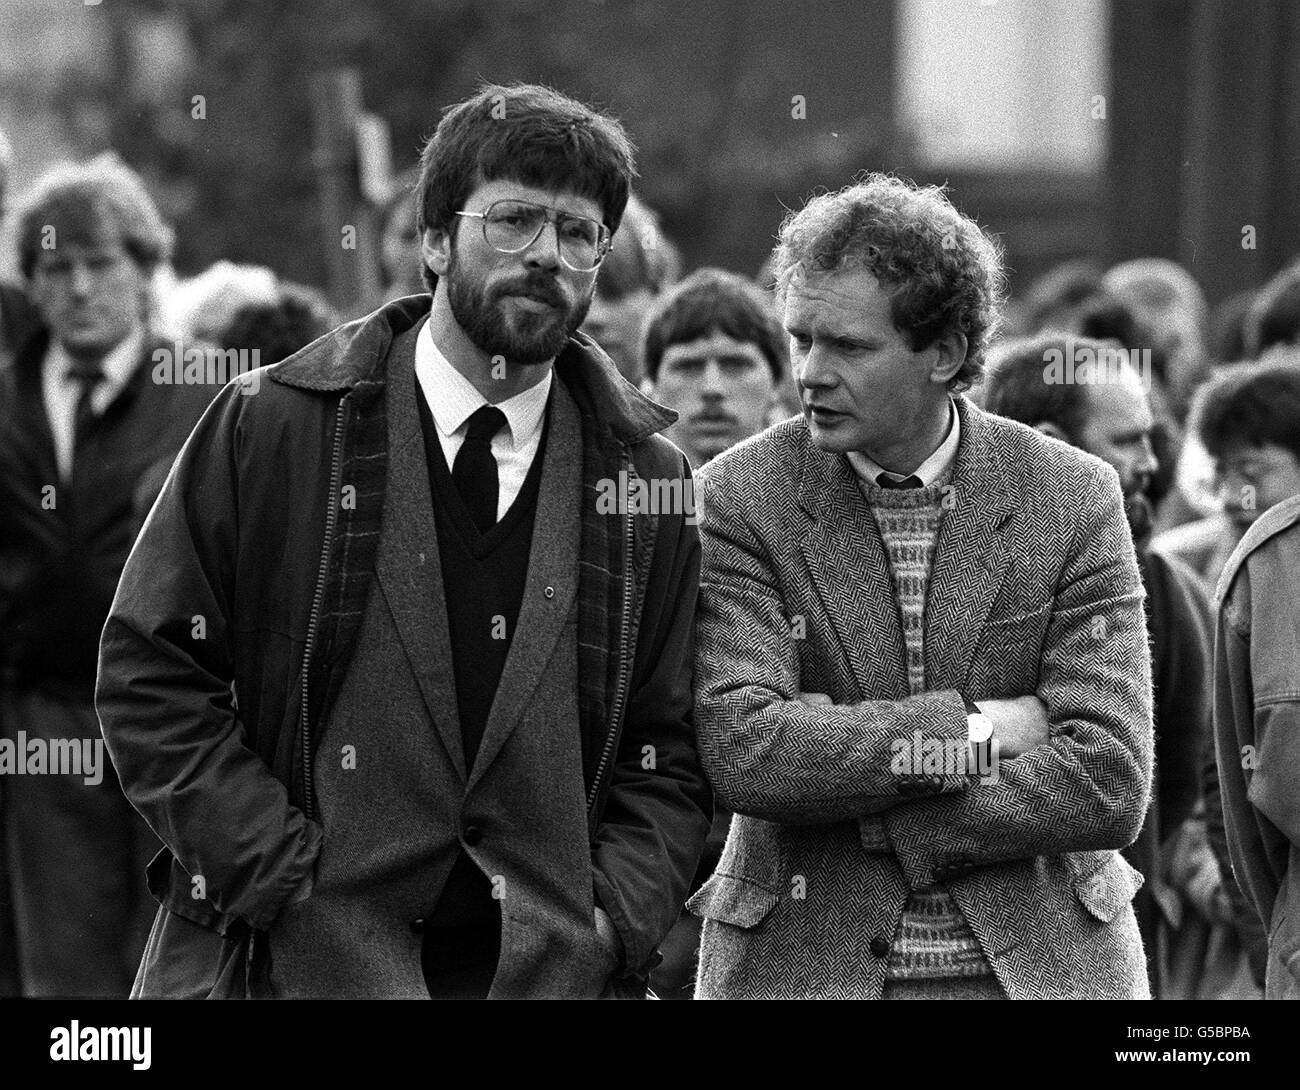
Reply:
x=929, y=471
x=453, y=399
x=117, y=365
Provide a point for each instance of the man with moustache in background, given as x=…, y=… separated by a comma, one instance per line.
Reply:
x=715, y=353
x=438, y=740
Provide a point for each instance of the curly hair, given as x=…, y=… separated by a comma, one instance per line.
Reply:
x=944, y=273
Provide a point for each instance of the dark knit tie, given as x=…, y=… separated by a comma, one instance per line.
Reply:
x=886, y=481
x=475, y=471
x=90, y=376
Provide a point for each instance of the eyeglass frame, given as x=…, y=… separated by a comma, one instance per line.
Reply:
x=553, y=216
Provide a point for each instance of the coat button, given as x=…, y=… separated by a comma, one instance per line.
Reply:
x=472, y=835
x=417, y=925
x=549, y=592
x=879, y=947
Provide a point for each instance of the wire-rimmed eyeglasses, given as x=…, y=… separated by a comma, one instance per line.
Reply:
x=511, y=226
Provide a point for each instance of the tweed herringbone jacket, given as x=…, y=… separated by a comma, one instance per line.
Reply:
x=1035, y=589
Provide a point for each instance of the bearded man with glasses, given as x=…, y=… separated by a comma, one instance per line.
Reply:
x=435, y=736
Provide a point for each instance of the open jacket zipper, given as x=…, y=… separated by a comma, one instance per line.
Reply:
x=331, y=518
x=624, y=663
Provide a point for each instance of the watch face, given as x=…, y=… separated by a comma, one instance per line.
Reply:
x=980, y=728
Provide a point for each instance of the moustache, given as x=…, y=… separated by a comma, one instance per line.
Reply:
x=537, y=288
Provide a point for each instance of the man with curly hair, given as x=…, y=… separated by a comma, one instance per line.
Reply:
x=923, y=681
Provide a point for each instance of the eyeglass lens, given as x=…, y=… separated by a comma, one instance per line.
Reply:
x=511, y=226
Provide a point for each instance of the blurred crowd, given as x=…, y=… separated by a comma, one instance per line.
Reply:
x=1206, y=443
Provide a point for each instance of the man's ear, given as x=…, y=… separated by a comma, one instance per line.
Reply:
x=951, y=355
x=1048, y=428
x=435, y=250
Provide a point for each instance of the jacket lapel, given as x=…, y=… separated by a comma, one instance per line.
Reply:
x=552, y=563
x=971, y=557
x=846, y=558
x=409, y=569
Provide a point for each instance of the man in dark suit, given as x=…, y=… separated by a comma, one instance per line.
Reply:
x=923, y=677
x=438, y=738
x=86, y=436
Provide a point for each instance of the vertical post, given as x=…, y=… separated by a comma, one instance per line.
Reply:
x=348, y=221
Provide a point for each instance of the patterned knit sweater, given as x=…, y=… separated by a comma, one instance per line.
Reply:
x=933, y=939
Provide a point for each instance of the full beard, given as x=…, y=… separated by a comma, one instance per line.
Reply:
x=530, y=339
x=1141, y=516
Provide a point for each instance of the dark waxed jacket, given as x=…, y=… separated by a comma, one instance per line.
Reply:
x=263, y=532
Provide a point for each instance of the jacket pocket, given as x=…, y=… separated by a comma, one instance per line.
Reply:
x=1107, y=890
x=549, y=954
x=185, y=960
x=733, y=900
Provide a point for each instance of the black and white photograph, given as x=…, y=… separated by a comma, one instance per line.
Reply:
x=589, y=500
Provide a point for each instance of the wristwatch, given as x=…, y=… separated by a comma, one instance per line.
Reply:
x=979, y=734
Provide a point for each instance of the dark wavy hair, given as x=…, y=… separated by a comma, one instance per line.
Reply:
x=528, y=134
x=1015, y=386
x=943, y=272
x=1253, y=403
x=714, y=301
x=84, y=203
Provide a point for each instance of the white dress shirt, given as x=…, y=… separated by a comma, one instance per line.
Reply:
x=452, y=399
x=928, y=471
x=62, y=392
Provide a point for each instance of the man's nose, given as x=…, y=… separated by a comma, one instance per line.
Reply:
x=79, y=279
x=1148, y=463
x=813, y=372
x=544, y=253
x=713, y=386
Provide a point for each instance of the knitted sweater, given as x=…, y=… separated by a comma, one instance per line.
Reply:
x=933, y=938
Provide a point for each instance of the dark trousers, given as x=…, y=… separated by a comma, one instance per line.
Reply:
x=76, y=859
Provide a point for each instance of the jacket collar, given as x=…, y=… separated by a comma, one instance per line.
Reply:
x=981, y=465
x=357, y=350
x=847, y=559
x=29, y=363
